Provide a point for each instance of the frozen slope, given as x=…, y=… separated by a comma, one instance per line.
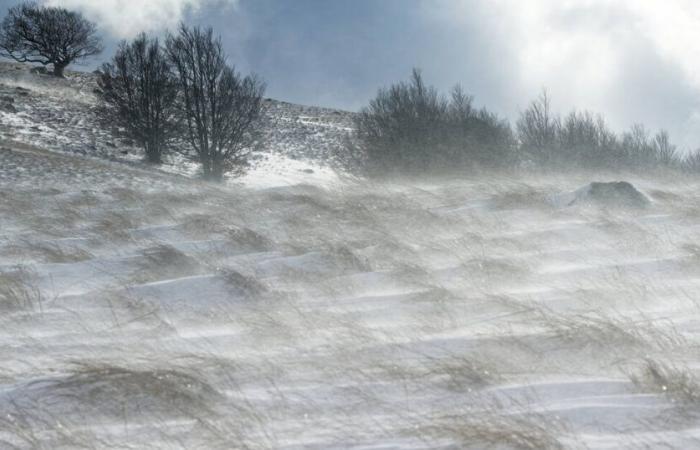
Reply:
x=62, y=115
x=147, y=310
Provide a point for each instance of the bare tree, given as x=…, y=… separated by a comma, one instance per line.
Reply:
x=411, y=128
x=666, y=153
x=538, y=129
x=140, y=91
x=221, y=107
x=399, y=127
x=47, y=35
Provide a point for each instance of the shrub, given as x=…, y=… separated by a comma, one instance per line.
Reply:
x=141, y=92
x=411, y=128
x=221, y=107
x=583, y=140
x=538, y=131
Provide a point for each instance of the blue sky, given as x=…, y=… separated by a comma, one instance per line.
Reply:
x=636, y=61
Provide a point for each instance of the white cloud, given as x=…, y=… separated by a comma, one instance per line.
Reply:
x=126, y=18
x=599, y=54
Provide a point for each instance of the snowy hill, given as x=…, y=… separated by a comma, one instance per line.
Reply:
x=144, y=309
x=61, y=115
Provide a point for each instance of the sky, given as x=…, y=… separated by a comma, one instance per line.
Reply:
x=634, y=61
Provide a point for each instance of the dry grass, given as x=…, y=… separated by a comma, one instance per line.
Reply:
x=123, y=194
x=48, y=252
x=114, y=226
x=164, y=262
x=609, y=332
x=345, y=259
x=248, y=240
x=168, y=391
x=490, y=430
x=203, y=225
x=248, y=287
x=51, y=412
x=18, y=291
x=464, y=374
x=678, y=383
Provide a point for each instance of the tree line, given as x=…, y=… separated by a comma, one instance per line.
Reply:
x=183, y=90
x=411, y=128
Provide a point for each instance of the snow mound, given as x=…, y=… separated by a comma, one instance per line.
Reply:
x=610, y=194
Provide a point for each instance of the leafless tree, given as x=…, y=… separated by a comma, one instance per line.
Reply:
x=411, y=128
x=399, y=127
x=538, y=128
x=221, y=107
x=140, y=91
x=666, y=153
x=47, y=35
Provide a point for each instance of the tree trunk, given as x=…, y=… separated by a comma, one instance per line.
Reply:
x=58, y=69
x=217, y=173
x=217, y=168
x=153, y=153
x=206, y=167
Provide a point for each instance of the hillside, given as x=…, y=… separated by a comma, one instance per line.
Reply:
x=145, y=309
x=61, y=115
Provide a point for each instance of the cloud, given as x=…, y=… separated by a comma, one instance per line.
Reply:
x=633, y=60
x=126, y=18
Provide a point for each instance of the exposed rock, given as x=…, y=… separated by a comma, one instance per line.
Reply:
x=618, y=193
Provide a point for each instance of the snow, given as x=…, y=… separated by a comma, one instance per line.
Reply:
x=299, y=307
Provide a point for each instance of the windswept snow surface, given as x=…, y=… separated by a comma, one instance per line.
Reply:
x=149, y=310
x=300, y=308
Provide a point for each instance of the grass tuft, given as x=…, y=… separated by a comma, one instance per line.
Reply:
x=18, y=291
x=679, y=384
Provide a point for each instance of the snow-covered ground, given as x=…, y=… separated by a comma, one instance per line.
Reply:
x=142, y=309
x=63, y=116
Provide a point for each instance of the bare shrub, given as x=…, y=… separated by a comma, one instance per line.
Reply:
x=411, y=128
x=538, y=129
x=584, y=140
x=221, y=107
x=691, y=162
x=141, y=92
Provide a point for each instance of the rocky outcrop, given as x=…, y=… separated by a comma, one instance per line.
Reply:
x=611, y=194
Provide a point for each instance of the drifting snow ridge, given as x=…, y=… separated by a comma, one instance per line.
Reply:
x=141, y=309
